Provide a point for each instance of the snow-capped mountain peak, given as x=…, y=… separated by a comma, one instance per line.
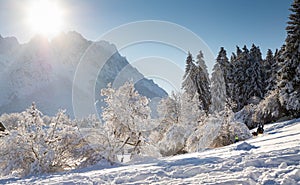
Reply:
x=43, y=71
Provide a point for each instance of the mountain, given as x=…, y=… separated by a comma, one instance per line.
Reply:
x=44, y=72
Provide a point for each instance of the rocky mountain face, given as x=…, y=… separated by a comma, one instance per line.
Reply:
x=43, y=72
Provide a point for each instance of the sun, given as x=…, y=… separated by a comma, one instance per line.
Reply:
x=45, y=17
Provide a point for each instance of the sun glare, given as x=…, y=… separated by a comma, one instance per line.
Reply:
x=45, y=17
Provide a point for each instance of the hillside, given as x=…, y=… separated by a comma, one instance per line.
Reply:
x=272, y=158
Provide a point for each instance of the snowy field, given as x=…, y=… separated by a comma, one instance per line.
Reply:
x=273, y=158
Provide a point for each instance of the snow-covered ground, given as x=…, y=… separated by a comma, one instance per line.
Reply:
x=273, y=158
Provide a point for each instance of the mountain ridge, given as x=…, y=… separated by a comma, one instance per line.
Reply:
x=43, y=71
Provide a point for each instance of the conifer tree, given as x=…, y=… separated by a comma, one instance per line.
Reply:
x=219, y=83
x=218, y=89
x=239, y=78
x=196, y=80
x=189, y=84
x=201, y=63
x=255, y=85
x=188, y=65
x=245, y=81
x=289, y=78
x=238, y=51
x=270, y=74
x=233, y=57
x=203, y=83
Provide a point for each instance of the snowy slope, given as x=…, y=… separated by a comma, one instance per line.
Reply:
x=273, y=158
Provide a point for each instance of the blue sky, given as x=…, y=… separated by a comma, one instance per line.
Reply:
x=218, y=22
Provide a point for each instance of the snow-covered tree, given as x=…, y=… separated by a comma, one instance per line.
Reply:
x=169, y=111
x=189, y=78
x=203, y=134
x=246, y=79
x=269, y=68
x=289, y=78
x=173, y=141
x=217, y=130
x=169, y=133
x=218, y=84
x=127, y=116
x=269, y=109
x=238, y=52
x=180, y=115
x=246, y=115
x=196, y=80
x=269, y=60
x=239, y=78
x=201, y=63
x=282, y=71
x=203, y=87
x=11, y=120
x=229, y=128
x=218, y=89
x=101, y=139
x=190, y=112
x=35, y=147
x=233, y=57
x=255, y=73
x=279, y=63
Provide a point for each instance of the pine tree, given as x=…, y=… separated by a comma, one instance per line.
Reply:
x=239, y=78
x=245, y=81
x=227, y=69
x=203, y=83
x=270, y=68
x=201, y=63
x=219, y=82
x=289, y=78
x=268, y=63
x=233, y=57
x=218, y=89
x=196, y=80
x=189, y=83
x=269, y=59
x=238, y=51
x=255, y=85
x=272, y=65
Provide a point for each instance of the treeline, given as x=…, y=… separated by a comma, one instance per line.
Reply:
x=258, y=90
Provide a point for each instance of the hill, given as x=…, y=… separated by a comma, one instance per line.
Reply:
x=272, y=158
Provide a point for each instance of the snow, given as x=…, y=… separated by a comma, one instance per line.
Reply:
x=245, y=146
x=272, y=158
x=45, y=71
